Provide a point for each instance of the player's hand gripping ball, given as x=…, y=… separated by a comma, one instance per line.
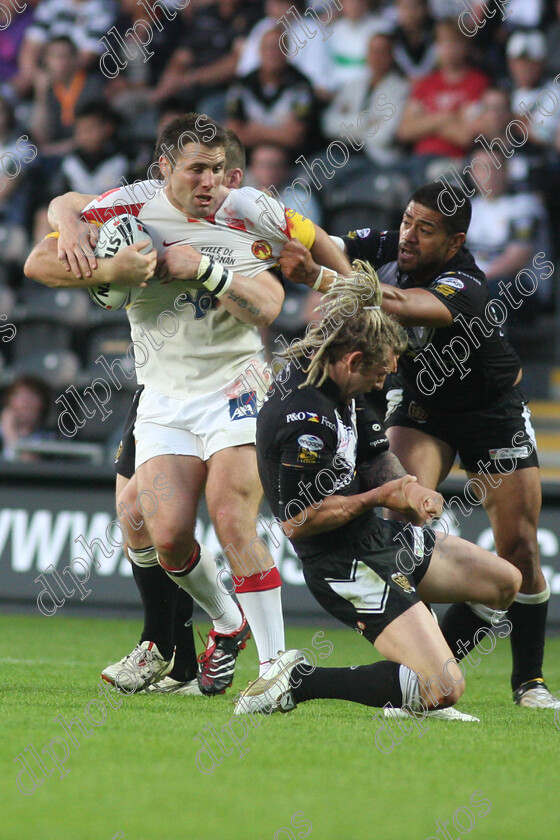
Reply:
x=117, y=233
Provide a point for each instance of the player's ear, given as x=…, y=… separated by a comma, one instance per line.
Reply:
x=233, y=178
x=354, y=361
x=457, y=241
x=165, y=166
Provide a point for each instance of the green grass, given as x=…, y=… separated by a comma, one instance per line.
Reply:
x=136, y=773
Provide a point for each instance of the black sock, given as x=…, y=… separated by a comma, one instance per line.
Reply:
x=159, y=596
x=527, y=641
x=372, y=685
x=460, y=624
x=186, y=664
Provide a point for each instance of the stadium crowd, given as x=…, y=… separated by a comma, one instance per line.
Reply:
x=418, y=89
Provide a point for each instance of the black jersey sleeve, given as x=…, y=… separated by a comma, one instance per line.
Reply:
x=305, y=448
x=372, y=439
x=375, y=246
x=461, y=293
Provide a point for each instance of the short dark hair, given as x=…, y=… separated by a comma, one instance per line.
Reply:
x=235, y=151
x=198, y=128
x=456, y=222
x=64, y=39
x=100, y=109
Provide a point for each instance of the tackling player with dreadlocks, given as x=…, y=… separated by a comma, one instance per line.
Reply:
x=324, y=464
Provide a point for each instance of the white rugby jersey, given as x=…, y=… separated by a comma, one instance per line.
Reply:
x=192, y=344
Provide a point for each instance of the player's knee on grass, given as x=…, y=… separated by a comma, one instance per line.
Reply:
x=444, y=689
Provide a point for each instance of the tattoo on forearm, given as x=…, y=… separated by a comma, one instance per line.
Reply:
x=243, y=303
x=386, y=467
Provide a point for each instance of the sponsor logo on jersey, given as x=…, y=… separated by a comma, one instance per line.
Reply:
x=402, y=581
x=311, y=442
x=167, y=244
x=245, y=405
x=445, y=290
x=328, y=423
x=262, y=249
x=307, y=456
x=379, y=442
x=364, y=233
x=416, y=412
x=376, y=427
x=451, y=281
x=302, y=415
x=119, y=452
x=352, y=234
x=509, y=452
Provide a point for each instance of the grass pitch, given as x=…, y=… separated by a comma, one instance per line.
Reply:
x=315, y=772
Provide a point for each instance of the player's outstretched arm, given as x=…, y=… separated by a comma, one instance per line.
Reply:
x=415, y=307
x=128, y=268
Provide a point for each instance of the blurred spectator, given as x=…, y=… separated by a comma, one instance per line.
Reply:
x=553, y=43
x=520, y=14
x=61, y=87
x=347, y=46
x=204, y=64
x=16, y=77
x=312, y=60
x=274, y=103
x=84, y=22
x=26, y=407
x=506, y=231
x=526, y=57
x=371, y=108
x=15, y=155
x=496, y=121
x=128, y=91
x=270, y=167
x=414, y=50
x=96, y=164
x=436, y=118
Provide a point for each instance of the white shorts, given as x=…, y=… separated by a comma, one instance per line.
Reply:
x=199, y=426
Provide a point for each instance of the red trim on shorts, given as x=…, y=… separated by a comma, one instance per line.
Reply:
x=255, y=583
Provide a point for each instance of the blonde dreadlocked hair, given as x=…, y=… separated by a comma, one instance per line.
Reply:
x=352, y=320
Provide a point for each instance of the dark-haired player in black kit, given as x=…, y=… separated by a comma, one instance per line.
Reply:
x=324, y=464
x=457, y=391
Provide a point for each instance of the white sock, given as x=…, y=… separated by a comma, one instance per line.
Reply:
x=263, y=611
x=201, y=582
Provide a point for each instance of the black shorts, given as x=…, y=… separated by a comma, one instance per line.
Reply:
x=500, y=436
x=126, y=452
x=363, y=585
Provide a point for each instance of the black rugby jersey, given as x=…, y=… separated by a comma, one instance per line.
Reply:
x=310, y=445
x=464, y=367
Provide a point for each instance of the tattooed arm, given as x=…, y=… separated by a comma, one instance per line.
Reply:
x=424, y=503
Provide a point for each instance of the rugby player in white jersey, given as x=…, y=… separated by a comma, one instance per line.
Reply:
x=196, y=418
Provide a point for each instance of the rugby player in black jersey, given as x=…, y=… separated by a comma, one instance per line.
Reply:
x=324, y=464
x=457, y=391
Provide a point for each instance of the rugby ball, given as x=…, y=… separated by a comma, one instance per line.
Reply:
x=117, y=233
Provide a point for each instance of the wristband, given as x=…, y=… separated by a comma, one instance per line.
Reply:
x=317, y=282
x=214, y=276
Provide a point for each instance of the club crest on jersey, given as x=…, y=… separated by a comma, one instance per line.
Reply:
x=402, y=581
x=245, y=405
x=364, y=233
x=262, y=249
x=416, y=412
